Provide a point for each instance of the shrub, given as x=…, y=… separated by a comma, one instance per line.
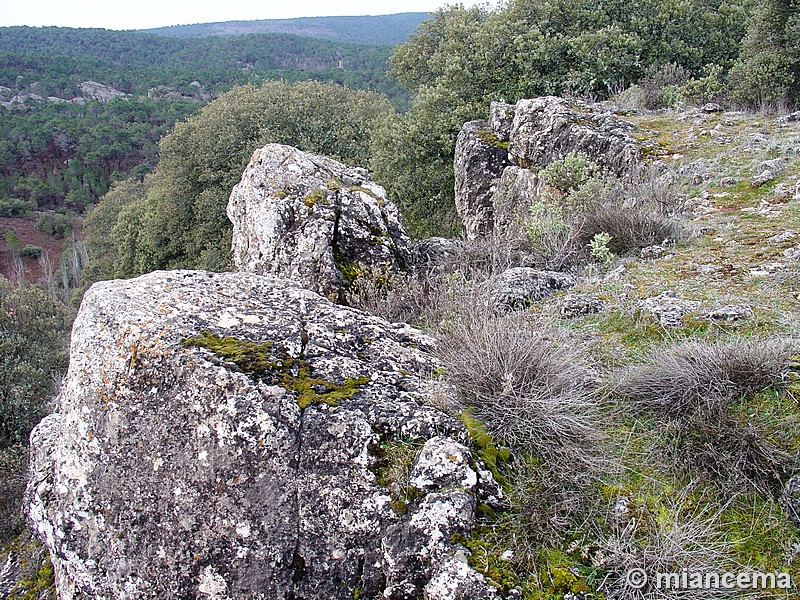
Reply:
x=13, y=477
x=530, y=386
x=631, y=227
x=677, y=381
x=668, y=536
x=14, y=207
x=31, y=251
x=34, y=328
x=54, y=224
x=561, y=229
x=661, y=85
x=708, y=400
x=571, y=172
x=528, y=383
x=13, y=243
x=768, y=70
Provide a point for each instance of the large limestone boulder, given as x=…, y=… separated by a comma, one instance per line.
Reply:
x=480, y=158
x=548, y=128
x=497, y=160
x=313, y=220
x=227, y=435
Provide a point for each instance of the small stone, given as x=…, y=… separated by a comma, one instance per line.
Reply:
x=790, y=118
x=443, y=463
x=762, y=178
x=711, y=107
x=501, y=117
x=792, y=253
x=669, y=308
x=775, y=165
x=730, y=313
x=456, y=580
x=576, y=305
x=654, y=252
x=519, y=287
x=727, y=181
x=782, y=238
x=434, y=251
x=783, y=191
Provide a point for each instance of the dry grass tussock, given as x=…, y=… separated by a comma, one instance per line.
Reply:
x=701, y=396
x=679, y=535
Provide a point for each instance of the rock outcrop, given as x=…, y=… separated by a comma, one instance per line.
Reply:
x=100, y=92
x=529, y=136
x=519, y=287
x=312, y=220
x=227, y=435
x=480, y=159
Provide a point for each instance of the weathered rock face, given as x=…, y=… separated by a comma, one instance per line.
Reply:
x=480, y=159
x=527, y=137
x=519, y=287
x=100, y=92
x=223, y=436
x=548, y=128
x=313, y=220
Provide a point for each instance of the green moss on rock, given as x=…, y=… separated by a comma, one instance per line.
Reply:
x=264, y=362
x=491, y=139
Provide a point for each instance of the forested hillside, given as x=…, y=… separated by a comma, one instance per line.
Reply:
x=64, y=139
x=385, y=30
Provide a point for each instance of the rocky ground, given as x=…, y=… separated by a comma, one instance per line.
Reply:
x=625, y=411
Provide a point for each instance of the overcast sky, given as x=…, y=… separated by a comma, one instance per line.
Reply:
x=142, y=14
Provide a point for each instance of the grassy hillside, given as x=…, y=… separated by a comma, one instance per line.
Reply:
x=385, y=30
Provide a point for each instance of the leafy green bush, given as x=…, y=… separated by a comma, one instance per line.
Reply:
x=181, y=221
x=54, y=224
x=13, y=477
x=14, y=207
x=31, y=251
x=34, y=329
x=571, y=172
x=563, y=226
x=13, y=243
x=768, y=70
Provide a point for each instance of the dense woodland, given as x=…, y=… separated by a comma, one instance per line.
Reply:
x=65, y=155
x=152, y=175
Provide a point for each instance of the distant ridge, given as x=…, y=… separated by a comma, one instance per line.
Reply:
x=384, y=30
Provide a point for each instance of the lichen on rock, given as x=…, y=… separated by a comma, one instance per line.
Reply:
x=181, y=461
x=312, y=220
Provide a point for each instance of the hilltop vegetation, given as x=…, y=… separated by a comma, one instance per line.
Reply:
x=618, y=439
x=381, y=30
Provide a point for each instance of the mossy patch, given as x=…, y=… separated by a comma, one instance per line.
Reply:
x=490, y=138
x=368, y=192
x=265, y=362
x=392, y=469
x=492, y=454
x=36, y=577
x=313, y=197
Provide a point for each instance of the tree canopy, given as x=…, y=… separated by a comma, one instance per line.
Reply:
x=178, y=219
